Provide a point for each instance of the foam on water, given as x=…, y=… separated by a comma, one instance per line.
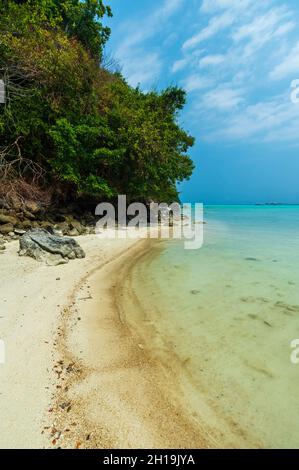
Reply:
x=230, y=311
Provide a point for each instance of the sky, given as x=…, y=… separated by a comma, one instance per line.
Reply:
x=236, y=59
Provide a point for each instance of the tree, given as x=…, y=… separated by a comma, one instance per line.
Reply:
x=90, y=133
x=78, y=18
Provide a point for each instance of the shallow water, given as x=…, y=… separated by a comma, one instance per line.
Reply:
x=230, y=311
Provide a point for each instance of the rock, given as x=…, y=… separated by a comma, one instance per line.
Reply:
x=28, y=215
x=4, y=204
x=25, y=225
x=32, y=207
x=63, y=227
x=42, y=246
x=6, y=229
x=59, y=218
x=90, y=230
x=57, y=232
x=75, y=225
x=46, y=226
x=73, y=233
x=19, y=231
x=16, y=203
x=2, y=247
x=50, y=219
x=8, y=219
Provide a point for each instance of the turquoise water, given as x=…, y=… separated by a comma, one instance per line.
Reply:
x=230, y=311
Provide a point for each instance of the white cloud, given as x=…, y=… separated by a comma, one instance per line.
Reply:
x=180, y=64
x=223, y=98
x=143, y=71
x=233, y=54
x=275, y=120
x=216, y=24
x=139, y=65
x=212, y=60
x=288, y=67
x=196, y=82
x=262, y=29
x=143, y=30
x=246, y=43
x=285, y=28
x=210, y=6
x=263, y=24
x=168, y=8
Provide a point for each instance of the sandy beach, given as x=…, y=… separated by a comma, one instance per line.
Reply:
x=76, y=375
x=34, y=299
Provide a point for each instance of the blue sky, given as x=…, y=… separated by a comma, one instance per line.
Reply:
x=236, y=59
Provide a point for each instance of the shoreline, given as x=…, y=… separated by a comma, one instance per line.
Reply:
x=90, y=377
x=119, y=395
x=192, y=398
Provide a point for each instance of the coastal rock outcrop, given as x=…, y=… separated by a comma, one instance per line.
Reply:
x=42, y=246
x=6, y=219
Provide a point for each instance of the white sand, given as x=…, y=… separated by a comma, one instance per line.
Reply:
x=31, y=305
x=77, y=375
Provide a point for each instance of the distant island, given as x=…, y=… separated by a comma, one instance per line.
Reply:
x=275, y=204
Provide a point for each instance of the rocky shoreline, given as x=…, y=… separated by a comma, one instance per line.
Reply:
x=70, y=221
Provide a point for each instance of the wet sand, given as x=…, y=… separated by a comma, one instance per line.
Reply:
x=115, y=393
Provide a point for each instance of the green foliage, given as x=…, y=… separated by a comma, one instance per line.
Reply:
x=155, y=146
x=91, y=132
x=77, y=18
x=85, y=155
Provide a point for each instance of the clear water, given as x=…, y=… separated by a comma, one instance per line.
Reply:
x=230, y=311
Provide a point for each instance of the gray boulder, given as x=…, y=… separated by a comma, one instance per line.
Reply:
x=42, y=246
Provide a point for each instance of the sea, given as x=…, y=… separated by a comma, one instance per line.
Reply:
x=229, y=313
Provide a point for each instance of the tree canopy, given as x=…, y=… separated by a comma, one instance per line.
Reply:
x=80, y=126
